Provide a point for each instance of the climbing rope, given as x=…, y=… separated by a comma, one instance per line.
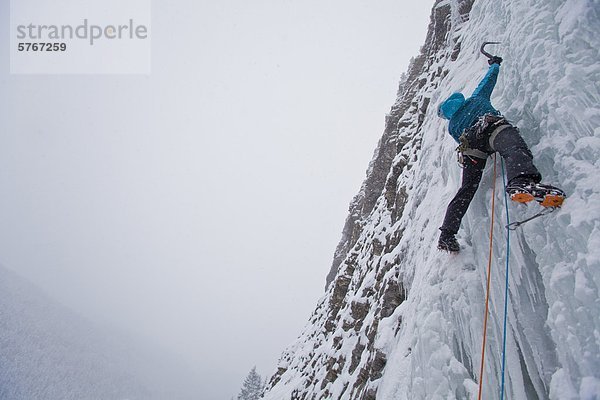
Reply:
x=506, y=283
x=489, y=274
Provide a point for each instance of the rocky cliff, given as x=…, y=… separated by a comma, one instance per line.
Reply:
x=399, y=319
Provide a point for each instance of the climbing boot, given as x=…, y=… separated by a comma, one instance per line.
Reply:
x=524, y=191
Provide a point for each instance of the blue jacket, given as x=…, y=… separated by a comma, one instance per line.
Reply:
x=464, y=113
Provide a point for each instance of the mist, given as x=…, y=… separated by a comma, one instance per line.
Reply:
x=197, y=208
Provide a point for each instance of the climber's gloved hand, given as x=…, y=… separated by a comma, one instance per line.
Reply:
x=495, y=60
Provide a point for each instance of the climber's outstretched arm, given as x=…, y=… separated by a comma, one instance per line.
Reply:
x=486, y=86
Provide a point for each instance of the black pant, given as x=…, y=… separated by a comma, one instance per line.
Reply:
x=517, y=159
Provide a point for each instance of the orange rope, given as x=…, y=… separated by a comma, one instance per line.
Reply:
x=489, y=274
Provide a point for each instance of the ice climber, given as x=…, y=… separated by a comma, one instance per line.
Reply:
x=481, y=130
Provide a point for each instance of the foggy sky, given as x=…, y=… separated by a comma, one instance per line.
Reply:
x=199, y=206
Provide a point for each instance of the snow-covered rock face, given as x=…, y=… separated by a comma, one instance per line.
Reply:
x=399, y=319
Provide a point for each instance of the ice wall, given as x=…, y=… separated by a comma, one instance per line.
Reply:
x=399, y=319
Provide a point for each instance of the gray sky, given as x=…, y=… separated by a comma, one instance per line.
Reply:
x=200, y=206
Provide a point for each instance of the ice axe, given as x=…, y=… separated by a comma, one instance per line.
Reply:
x=485, y=53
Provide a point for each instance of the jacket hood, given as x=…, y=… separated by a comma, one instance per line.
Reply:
x=449, y=107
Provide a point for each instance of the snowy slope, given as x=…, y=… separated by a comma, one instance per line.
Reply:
x=48, y=352
x=401, y=320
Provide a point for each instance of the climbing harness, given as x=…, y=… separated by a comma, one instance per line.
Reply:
x=478, y=140
x=464, y=150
